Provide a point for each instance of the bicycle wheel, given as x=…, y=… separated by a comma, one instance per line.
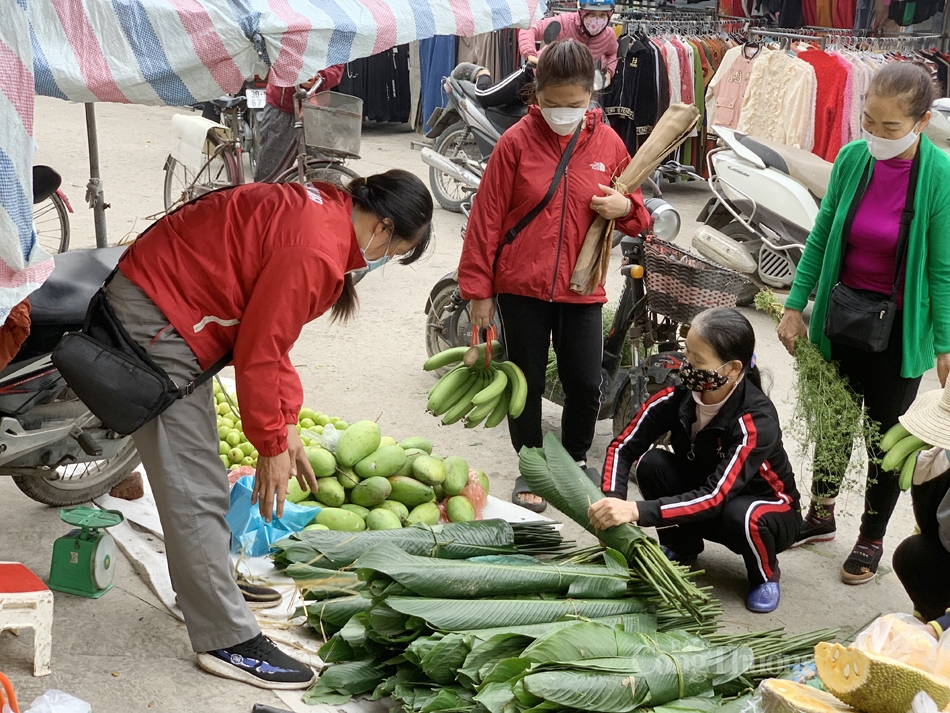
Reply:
x=181, y=185
x=324, y=171
x=51, y=220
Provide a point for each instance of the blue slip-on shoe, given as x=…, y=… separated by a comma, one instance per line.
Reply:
x=763, y=598
x=687, y=560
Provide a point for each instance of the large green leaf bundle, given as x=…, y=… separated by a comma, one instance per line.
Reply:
x=552, y=473
x=467, y=579
x=332, y=550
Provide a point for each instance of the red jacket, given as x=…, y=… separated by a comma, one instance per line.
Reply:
x=283, y=97
x=540, y=261
x=245, y=269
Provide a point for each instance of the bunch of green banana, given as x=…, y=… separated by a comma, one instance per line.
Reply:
x=901, y=449
x=478, y=392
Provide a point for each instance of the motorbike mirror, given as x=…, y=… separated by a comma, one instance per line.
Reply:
x=552, y=32
x=46, y=181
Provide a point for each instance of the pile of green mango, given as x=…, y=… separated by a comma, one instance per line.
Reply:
x=373, y=482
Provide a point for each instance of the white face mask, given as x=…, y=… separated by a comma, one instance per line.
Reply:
x=595, y=25
x=883, y=149
x=563, y=120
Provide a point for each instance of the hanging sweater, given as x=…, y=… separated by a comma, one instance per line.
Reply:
x=926, y=314
x=829, y=107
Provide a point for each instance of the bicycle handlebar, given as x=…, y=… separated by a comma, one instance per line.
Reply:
x=302, y=93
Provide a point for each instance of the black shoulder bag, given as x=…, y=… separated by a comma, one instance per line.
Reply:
x=860, y=318
x=536, y=211
x=113, y=375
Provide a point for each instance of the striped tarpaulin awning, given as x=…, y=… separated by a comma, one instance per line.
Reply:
x=178, y=52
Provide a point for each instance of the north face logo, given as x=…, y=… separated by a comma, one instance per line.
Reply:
x=598, y=166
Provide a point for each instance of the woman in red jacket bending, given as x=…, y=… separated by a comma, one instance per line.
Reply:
x=242, y=270
x=530, y=276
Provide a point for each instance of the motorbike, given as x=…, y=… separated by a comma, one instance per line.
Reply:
x=57, y=452
x=765, y=200
x=655, y=340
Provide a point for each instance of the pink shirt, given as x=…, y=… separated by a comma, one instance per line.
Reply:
x=872, y=247
x=603, y=45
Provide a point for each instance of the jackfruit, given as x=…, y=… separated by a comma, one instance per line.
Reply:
x=781, y=696
x=875, y=684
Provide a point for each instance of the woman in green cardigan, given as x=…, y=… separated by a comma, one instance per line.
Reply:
x=854, y=242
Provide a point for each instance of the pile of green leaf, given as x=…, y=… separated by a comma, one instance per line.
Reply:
x=829, y=417
x=509, y=633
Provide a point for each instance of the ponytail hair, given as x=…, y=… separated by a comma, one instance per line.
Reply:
x=401, y=198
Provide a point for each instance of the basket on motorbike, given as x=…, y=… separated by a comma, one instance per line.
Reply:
x=332, y=124
x=680, y=284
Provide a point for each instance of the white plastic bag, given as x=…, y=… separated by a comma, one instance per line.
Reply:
x=923, y=704
x=54, y=701
x=902, y=638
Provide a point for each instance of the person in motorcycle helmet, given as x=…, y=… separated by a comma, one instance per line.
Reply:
x=530, y=275
x=727, y=478
x=590, y=26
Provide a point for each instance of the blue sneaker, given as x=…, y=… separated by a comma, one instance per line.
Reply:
x=763, y=598
x=259, y=663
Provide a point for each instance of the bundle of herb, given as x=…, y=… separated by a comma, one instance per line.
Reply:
x=828, y=413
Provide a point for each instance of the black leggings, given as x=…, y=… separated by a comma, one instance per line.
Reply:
x=922, y=564
x=578, y=337
x=753, y=526
x=887, y=395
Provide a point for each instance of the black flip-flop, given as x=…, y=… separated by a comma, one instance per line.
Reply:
x=522, y=487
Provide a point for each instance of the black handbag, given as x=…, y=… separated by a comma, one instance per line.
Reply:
x=860, y=318
x=113, y=375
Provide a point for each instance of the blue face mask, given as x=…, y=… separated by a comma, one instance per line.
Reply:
x=372, y=264
x=377, y=263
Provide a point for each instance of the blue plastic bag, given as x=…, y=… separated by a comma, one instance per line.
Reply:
x=249, y=532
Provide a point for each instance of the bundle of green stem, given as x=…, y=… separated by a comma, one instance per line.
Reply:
x=775, y=653
x=551, y=473
x=828, y=414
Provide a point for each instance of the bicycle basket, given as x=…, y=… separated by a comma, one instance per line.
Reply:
x=680, y=285
x=332, y=123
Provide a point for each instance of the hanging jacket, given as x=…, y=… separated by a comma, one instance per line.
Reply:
x=739, y=452
x=540, y=261
x=603, y=45
x=244, y=269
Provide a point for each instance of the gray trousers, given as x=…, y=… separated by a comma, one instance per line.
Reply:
x=179, y=449
x=277, y=136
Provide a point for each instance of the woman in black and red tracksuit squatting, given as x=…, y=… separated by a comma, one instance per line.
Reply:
x=728, y=478
x=530, y=276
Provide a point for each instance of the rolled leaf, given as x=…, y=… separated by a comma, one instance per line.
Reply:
x=458, y=615
x=427, y=576
x=586, y=640
x=330, y=616
x=636, y=623
x=442, y=662
x=344, y=680
x=486, y=654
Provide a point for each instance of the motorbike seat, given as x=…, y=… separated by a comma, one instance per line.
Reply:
x=505, y=116
x=469, y=89
x=227, y=102
x=77, y=276
x=805, y=167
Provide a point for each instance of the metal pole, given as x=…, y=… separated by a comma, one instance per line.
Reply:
x=94, y=195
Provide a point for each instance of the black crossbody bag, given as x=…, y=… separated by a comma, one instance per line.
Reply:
x=536, y=211
x=860, y=318
x=113, y=375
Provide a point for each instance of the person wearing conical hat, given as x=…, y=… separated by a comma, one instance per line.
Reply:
x=922, y=561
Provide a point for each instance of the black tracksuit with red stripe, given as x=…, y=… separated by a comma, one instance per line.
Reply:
x=732, y=483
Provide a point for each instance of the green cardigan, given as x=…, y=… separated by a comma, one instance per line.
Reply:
x=927, y=284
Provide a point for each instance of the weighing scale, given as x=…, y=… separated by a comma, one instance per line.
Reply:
x=84, y=559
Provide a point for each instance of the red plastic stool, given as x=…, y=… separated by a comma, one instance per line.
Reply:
x=26, y=602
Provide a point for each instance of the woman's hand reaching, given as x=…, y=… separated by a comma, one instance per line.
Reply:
x=791, y=328
x=274, y=472
x=611, y=512
x=483, y=312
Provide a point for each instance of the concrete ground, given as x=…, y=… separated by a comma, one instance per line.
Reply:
x=124, y=652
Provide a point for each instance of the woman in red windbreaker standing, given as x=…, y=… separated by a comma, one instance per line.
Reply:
x=529, y=277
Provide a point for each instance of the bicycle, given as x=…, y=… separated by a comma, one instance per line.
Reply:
x=327, y=123
x=51, y=211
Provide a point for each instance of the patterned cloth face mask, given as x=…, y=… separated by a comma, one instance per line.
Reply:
x=702, y=379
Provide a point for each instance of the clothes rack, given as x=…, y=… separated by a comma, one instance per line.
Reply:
x=785, y=38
